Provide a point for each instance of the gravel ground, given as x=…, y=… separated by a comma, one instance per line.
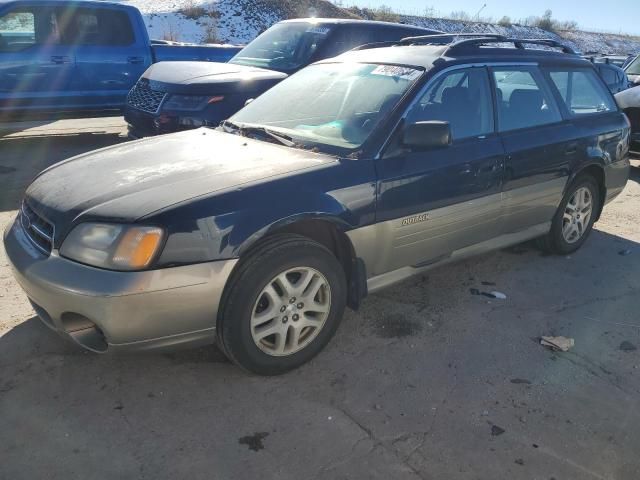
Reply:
x=426, y=382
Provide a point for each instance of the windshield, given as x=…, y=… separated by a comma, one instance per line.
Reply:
x=634, y=67
x=284, y=47
x=330, y=106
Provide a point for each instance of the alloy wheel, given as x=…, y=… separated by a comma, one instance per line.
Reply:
x=290, y=311
x=577, y=215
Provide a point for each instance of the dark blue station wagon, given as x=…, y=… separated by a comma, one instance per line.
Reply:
x=351, y=175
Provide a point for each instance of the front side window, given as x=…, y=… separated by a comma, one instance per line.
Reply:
x=285, y=46
x=24, y=28
x=523, y=99
x=462, y=98
x=330, y=105
x=582, y=92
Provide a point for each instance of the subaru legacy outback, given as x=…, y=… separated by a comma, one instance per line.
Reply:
x=349, y=176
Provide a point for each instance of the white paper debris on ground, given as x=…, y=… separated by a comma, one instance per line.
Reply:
x=562, y=344
x=499, y=295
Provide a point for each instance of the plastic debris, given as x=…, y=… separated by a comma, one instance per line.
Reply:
x=562, y=344
x=499, y=295
x=628, y=347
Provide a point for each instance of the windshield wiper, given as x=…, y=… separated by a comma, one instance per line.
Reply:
x=251, y=129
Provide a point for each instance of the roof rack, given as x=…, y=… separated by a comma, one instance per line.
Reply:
x=457, y=41
x=445, y=38
x=472, y=39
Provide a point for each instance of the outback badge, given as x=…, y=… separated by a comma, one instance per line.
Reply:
x=423, y=217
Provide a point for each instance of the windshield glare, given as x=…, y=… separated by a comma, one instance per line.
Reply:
x=331, y=105
x=634, y=67
x=285, y=46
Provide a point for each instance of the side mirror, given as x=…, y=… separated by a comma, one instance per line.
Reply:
x=424, y=135
x=249, y=100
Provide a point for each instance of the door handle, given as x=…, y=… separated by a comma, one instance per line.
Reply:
x=135, y=60
x=571, y=149
x=60, y=59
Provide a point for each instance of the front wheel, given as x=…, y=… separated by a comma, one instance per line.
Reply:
x=282, y=306
x=575, y=217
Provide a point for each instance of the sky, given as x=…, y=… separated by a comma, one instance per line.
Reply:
x=615, y=16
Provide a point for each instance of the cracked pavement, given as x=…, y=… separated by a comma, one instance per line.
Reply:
x=426, y=382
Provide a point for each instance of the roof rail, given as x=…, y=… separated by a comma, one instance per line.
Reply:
x=367, y=46
x=456, y=41
x=519, y=43
x=445, y=38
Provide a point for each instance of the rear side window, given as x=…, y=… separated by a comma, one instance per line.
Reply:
x=462, y=98
x=95, y=27
x=582, y=92
x=523, y=99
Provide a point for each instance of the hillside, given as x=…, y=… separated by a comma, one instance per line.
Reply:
x=239, y=21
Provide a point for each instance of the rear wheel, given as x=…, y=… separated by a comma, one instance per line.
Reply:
x=575, y=217
x=282, y=306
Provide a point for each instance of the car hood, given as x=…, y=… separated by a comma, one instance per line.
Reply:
x=126, y=182
x=204, y=77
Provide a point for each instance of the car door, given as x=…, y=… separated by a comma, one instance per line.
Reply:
x=539, y=143
x=35, y=69
x=434, y=202
x=592, y=111
x=110, y=54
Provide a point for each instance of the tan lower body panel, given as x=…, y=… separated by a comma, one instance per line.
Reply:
x=396, y=249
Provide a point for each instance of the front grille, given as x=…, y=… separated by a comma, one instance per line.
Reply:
x=144, y=98
x=37, y=229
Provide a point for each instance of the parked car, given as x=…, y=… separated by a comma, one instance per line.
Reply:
x=614, y=76
x=167, y=99
x=633, y=71
x=629, y=102
x=617, y=60
x=74, y=56
x=349, y=176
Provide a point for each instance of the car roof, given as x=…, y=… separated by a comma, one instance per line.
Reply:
x=354, y=21
x=427, y=56
x=77, y=2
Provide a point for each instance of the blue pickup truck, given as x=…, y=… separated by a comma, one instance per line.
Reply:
x=71, y=56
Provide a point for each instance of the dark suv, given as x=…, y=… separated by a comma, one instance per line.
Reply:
x=173, y=96
x=351, y=175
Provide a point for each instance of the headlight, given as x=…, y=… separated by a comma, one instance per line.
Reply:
x=115, y=247
x=190, y=103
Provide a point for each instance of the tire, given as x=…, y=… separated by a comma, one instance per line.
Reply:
x=258, y=300
x=556, y=240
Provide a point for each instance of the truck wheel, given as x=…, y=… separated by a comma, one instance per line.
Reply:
x=575, y=217
x=282, y=306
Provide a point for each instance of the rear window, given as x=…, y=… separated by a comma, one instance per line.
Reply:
x=582, y=91
x=23, y=28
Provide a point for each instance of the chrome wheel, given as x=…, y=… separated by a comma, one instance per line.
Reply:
x=577, y=215
x=290, y=311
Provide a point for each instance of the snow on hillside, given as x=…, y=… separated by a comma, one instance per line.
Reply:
x=230, y=21
x=240, y=21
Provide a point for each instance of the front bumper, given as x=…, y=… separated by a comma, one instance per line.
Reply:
x=104, y=310
x=142, y=124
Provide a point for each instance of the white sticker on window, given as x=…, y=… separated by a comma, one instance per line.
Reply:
x=404, y=73
x=318, y=30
